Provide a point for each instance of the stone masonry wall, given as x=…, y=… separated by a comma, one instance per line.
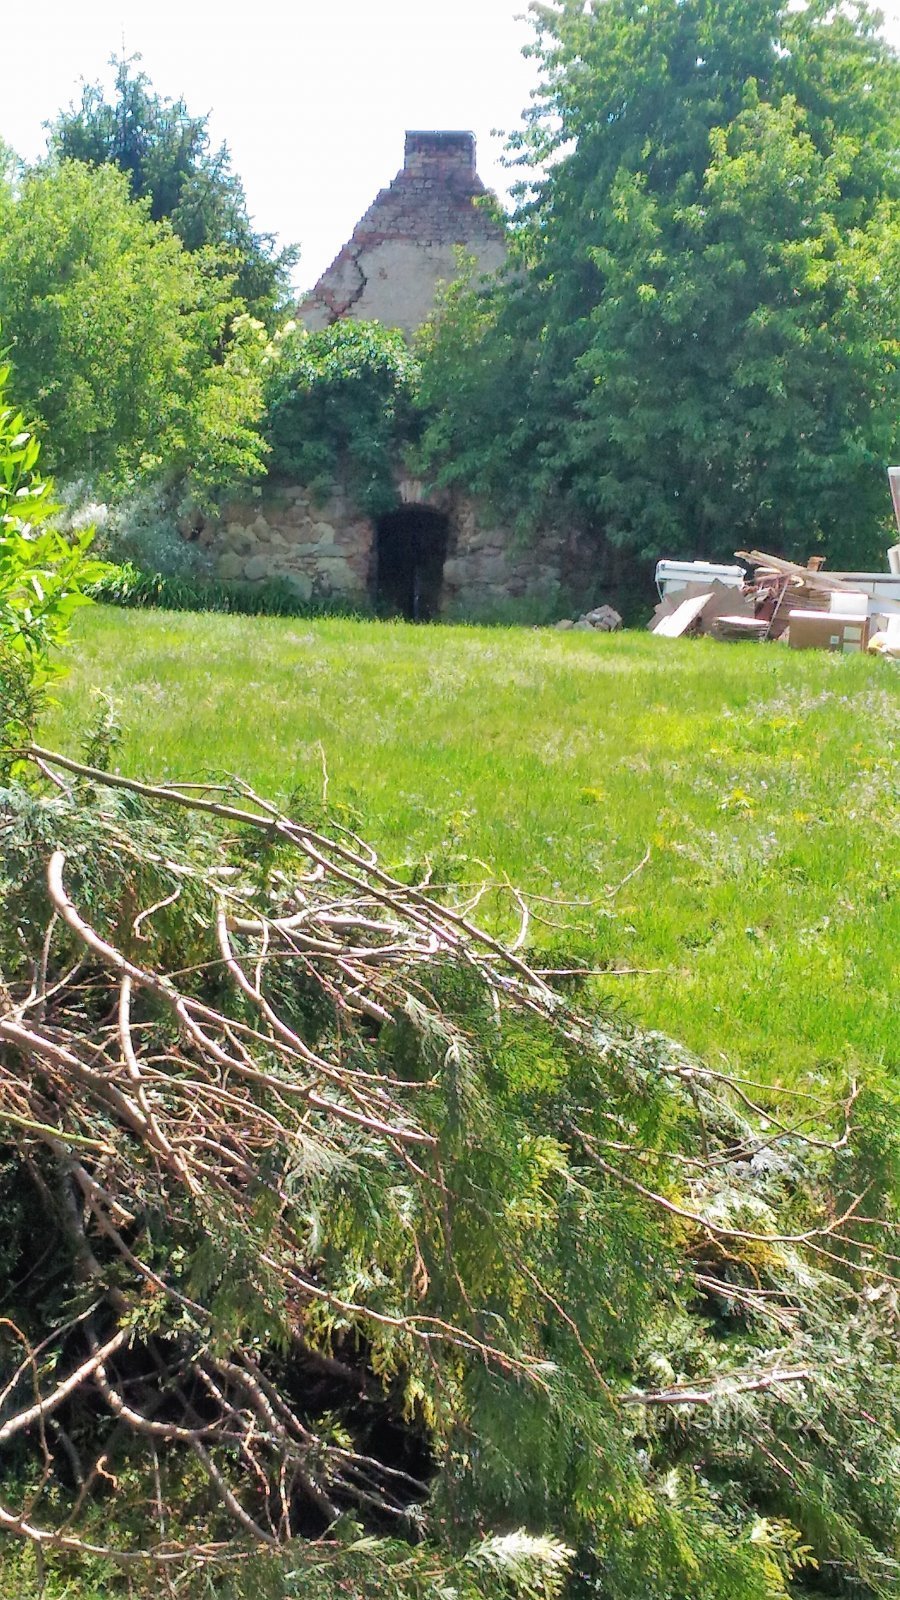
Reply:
x=328, y=550
x=322, y=549
x=485, y=567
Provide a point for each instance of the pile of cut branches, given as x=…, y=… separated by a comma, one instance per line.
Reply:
x=346, y=1253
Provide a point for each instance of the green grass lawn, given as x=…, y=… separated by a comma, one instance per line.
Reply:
x=765, y=924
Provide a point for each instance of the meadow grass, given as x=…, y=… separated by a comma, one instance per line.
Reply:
x=763, y=931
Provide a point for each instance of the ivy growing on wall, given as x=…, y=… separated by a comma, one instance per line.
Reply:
x=340, y=402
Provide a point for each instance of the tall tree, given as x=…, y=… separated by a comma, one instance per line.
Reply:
x=134, y=352
x=171, y=162
x=701, y=349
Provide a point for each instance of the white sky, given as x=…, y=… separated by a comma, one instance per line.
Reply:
x=312, y=96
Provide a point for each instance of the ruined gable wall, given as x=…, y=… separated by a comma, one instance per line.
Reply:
x=406, y=242
x=403, y=246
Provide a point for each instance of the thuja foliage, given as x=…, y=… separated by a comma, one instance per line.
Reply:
x=697, y=347
x=339, y=402
x=43, y=573
x=369, y=1263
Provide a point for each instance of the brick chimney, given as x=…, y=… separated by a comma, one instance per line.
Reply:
x=444, y=155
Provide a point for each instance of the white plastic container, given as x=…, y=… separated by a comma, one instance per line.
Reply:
x=879, y=585
x=671, y=576
x=882, y=595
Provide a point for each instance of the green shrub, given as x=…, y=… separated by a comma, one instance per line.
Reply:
x=142, y=528
x=127, y=585
x=43, y=573
x=136, y=354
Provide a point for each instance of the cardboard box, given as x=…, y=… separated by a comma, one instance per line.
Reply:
x=827, y=630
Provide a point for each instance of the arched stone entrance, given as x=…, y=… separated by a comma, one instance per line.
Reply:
x=410, y=551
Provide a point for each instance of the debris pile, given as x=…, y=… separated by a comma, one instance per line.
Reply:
x=768, y=598
x=765, y=597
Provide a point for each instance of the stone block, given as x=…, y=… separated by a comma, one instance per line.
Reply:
x=229, y=566
x=334, y=568
x=492, y=570
x=286, y=561
x=301, y=585
x=603, y=618
x=257, y=568
x=236, y=539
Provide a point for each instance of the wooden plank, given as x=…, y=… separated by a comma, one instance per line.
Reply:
x=672, y=627
x=792, y=569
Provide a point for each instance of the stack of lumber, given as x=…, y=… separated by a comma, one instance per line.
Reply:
x=784, y=586
x=777, y=596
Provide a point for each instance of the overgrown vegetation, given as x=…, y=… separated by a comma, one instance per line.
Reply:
x=346, y=1249
x=695, y=346
x=339, y=402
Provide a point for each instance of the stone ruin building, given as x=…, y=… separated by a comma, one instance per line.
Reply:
x=433, y=554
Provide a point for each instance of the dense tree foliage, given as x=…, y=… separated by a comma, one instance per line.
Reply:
x=171, y=163
x=341, y=401
x=134, y=352
x=699, y=345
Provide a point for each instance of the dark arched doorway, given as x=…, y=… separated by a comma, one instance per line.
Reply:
x=410, y=551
